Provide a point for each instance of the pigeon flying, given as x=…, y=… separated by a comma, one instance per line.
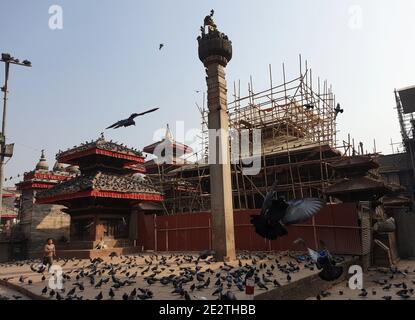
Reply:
x=130, y=121
x=276, y=213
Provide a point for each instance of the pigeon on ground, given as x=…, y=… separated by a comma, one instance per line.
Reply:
x=206, y=254
x=228, y=296
x=324, y=262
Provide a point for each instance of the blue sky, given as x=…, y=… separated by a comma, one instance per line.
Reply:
x=105, y=64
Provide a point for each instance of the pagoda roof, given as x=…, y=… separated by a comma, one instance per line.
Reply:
x=168, y=141
x=42, y=179
x=101, y=184
x=364, y=162
x=101, y=147
x=356, y=185
x=393, y=163
x=398, y=200
x=177, y=146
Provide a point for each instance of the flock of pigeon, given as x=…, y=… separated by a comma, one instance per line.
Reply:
x=154, y=276
x=191, y=277
x=188, y=277
x=395, y=283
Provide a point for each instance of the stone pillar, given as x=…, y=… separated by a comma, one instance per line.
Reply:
x=220, y=172
x=215, y=51
x=99, y=230
x=133, y=226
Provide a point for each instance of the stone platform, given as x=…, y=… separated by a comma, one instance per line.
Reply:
x=87, y=249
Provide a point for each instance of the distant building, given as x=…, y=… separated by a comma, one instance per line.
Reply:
x=9, y=211
x=41, y=221
x=398, y=171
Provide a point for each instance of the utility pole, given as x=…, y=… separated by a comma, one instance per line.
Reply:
x=6, y=151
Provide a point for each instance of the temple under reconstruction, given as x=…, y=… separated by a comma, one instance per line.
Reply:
x=298, y=148
x=110, y=198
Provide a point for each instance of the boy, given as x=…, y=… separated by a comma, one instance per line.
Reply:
x=49, y=253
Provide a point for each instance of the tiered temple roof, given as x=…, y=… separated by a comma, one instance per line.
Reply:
x=100, y=147
x=106, y=172
x=357, y=180
x=104, y=185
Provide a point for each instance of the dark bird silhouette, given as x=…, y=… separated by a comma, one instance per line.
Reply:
x=228, y=296
x=111, y=293
x=276, y=213
x=187, y=296
x=99, y=296
x=309, y=106
x=45, y=290
x=262, y=286
x=114, y=254
x=218, y=290
x=205, y=254
x=338, y=109
x=161, y=46
x=130, y=121
x=72, y=291
x=276, y=283
x=212, y=12
x=387, y=287
x=40, y=269
x=145, y=296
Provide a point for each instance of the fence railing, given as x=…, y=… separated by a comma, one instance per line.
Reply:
x=336, y=225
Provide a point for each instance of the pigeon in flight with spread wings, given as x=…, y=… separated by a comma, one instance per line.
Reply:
x=130, y=121
x=276, y=213
x=324, y=261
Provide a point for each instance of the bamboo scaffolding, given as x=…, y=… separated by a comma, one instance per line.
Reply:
x=298, y=131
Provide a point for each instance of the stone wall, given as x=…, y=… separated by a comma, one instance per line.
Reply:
x=4, y=251
x=48, y=221
x=42, y=221
x=405, y=236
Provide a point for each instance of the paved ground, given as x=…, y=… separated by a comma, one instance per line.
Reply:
x=9, y=294
x=273, y=270
x=385, y=284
